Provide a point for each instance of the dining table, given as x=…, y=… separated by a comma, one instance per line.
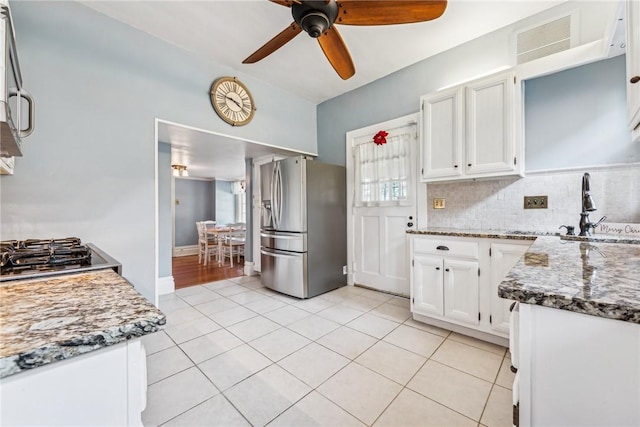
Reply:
x=220, y=232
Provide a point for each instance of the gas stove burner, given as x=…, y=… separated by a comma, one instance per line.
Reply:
x=36, y=254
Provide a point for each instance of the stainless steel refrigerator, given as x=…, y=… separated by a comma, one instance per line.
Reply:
x=303, y=226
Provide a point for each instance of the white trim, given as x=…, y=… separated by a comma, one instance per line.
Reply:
x=185, y=250
x=237, y=138
x=248, y=268
x=582, y=168
x=165, y=285
x=156, y=214
x=410, y=119
x=571, y=58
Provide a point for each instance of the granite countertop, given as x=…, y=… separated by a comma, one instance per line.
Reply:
x=50, y=319
x=523, y=235
x=600, y=279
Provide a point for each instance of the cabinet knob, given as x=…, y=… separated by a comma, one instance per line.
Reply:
x=634, y=79
x=455, y=166
x=469, y=164
x=446, y=269
x=437, y=268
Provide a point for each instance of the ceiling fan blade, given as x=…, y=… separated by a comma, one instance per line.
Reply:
x=388, y=12
x=286, y=3
x=337, y=53
x=274, y=44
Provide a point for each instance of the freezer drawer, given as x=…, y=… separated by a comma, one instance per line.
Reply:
x=296, y=242
x=284, y=272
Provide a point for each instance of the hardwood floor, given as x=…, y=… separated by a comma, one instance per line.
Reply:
x=187, y=271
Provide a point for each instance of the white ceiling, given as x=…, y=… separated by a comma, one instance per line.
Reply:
x=229, y=31
x=226, y=32
x=211, y=155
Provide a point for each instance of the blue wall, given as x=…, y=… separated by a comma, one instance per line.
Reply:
x=578, y=117
x=89, y=168
x=194, y=202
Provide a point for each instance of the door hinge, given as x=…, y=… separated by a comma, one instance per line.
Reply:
x=515, y=161
x=413, y=300
x=514, y=79
x=422, y=171
x=413, y=264
x=422, y=106
x=478, y=272
x=490, y=319
x=489, y=251
x=479, y=316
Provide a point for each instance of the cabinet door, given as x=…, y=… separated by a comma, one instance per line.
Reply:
x=490, y=125
x=426, y=288
x=633, y=67
x=503, y=257
x=461, y=298
x=442, y=133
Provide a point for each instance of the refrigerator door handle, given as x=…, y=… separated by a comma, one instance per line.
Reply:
x=281, y=235
x=279, y=195
x=274, y=203
x=279, y=254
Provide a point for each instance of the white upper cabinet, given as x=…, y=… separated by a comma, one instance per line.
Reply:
x=473, y=130
x=443, y=133
x=633, y=67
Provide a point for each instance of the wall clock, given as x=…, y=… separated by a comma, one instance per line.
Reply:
x=232, y=101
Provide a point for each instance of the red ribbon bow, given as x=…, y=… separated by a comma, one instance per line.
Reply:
x=380, y=138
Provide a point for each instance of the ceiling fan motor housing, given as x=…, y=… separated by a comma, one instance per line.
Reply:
x=315, y=17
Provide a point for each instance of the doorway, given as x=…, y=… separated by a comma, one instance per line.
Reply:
x=207, y=156
x=381, y=204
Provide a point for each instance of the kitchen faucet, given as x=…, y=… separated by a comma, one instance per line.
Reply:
x=588, y=205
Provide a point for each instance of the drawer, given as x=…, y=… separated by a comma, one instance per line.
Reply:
x=446, y=247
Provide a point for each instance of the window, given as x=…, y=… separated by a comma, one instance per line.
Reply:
x=241, y=207
x=383, y=172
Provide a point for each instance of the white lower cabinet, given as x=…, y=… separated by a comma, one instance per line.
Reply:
x=454, y=282
x=106, y=387
x=503, y=257
x=461, y=291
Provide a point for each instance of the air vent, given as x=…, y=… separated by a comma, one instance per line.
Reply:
x=543, y=40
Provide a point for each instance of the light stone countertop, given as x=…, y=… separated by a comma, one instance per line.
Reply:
x=597, y=275
x=54, y=318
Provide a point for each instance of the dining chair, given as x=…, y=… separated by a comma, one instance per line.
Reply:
x=207, y=245
x=232, y=244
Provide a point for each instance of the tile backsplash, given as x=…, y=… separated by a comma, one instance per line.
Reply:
x=498, y=204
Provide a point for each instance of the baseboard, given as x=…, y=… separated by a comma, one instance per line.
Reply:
x=248, y=268
x=484, y=336
x=165, y=285
x=185, y=250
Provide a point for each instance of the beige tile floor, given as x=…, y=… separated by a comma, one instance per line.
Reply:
x=234, y=353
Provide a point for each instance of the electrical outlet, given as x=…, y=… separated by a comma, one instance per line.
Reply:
x=536, y=202
x=344, y=269
x=438, y=203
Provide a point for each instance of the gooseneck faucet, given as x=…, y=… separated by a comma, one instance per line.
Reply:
x=588, y=205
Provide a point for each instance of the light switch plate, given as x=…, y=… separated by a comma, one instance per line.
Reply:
x=536, y=202
x=438, y=203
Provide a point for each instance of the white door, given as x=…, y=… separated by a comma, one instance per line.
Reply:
x=381, y=210
x=461, y=296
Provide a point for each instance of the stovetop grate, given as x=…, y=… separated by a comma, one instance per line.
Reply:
x=36, y=254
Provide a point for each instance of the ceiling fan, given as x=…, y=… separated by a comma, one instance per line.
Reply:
x=317, y=18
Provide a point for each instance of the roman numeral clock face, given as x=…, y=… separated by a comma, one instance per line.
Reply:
x=232, y=101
